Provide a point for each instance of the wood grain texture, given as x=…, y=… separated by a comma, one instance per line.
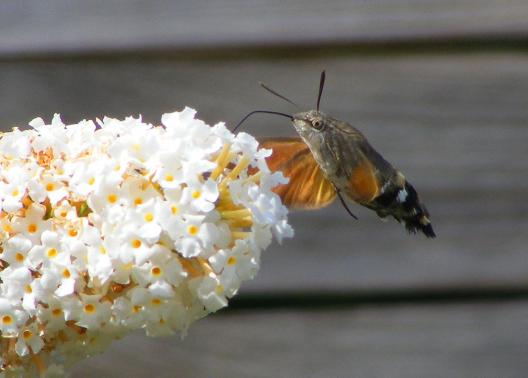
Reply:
x=456, y=125
x=80, y=26
x=477, y=340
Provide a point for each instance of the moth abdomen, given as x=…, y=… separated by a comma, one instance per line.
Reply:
x=403, y=203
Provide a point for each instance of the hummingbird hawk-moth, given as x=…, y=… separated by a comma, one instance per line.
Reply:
x=330, y=159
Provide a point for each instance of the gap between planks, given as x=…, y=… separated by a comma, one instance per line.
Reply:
x=328, y=299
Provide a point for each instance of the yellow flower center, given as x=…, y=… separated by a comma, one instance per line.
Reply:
x=89, y=308
x=15, y=192
x=51, y=253
x=111, y=198
x=174, y=210
x=27, y=334
x=50, y=186
x=136, y=309
x=148, y=217
x=66, y=273
x=72, y=232
x=169, y=178
x=28, y=289
x=135, y=243
x=32, y=227
x=7, y=319
x=138, y=201
x=91, y=180
x=56, y=312
x=19, y=257
x=196, y=194
x=192, y=230
x=156, y=271
x=102, y=250
x=155, y=301
x=231, y=260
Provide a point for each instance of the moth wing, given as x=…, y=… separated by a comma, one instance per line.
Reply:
x=370, y=174
x=364, y=182
x=307, y=188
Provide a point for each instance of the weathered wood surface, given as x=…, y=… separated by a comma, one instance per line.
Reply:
x=465, y=340
x=66, y=26
x=456, y=124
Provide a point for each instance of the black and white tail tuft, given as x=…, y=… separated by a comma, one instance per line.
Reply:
x=405, y=206
x=417, y=217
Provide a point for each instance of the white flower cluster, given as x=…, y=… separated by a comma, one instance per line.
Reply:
x=114, y=226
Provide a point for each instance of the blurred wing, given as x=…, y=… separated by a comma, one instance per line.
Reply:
x=308, y=188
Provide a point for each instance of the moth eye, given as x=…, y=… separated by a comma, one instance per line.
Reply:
x=317, y=124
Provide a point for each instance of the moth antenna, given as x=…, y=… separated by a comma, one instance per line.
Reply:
x=321, y=86
x=344, y=203
x=278, y=94
x=260, y=111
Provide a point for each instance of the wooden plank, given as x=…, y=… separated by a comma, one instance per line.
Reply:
x=477, y=340
x=80, y=26
x=455, y=124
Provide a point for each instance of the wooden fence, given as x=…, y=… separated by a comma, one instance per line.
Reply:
x=440, y=87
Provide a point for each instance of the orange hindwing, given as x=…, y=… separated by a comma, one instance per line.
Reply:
x=308, y=188
x=363, y=185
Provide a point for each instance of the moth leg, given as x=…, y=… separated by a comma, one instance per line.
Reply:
x=345, y=205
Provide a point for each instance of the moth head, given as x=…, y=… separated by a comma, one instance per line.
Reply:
x=310, y=125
